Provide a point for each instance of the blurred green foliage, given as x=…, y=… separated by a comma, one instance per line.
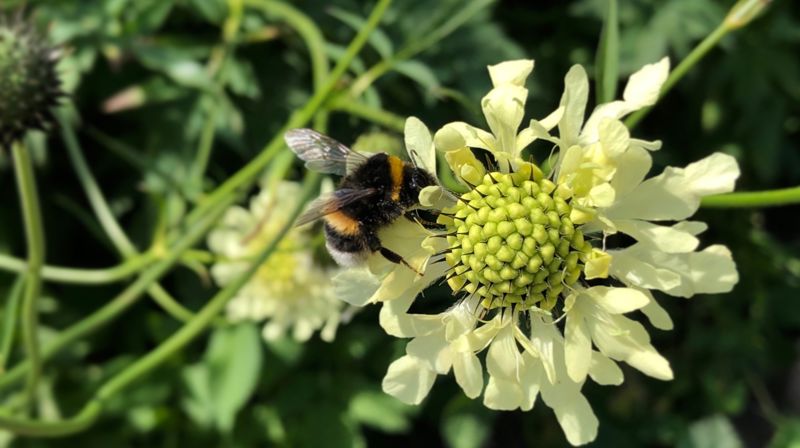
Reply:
x=142, y=77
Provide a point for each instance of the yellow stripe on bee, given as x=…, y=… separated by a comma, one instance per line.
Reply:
x=396, y=171
x=342, y=223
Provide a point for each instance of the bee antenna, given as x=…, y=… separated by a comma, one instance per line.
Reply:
x=414, y=155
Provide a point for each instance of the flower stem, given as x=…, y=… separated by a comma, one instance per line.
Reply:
x=81, y=276
x=10, y=320
x=107, y=220
x=415, y=47
x=740, y=14
x=205, y=316
x=250, y=172
x=34, y=235
x=367, y=112
x=754, y=199
x=92, y=410
x=126, y=298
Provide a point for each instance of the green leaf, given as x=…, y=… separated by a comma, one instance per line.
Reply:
x=420, y=73
x=177, y=64
x=464, y=430
x=712, y=432
x=197, y=403
x=607, y=62
x=378, y=39
x=375, y=408
x=787, y=434
x=234, y=360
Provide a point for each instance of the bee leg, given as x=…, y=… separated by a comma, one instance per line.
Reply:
x=394, y=257
x=416, y=216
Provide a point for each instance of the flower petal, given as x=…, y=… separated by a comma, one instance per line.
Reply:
x=663, y=238
x=614, y=137
x=409, y=380
x=577, y=345
x=628, y=266
x=511, y=72
x=656, y=314
x=395, y=320
x=502, y=358
x=355, y=286
x=469, y=373
x=433, y=349
x=419, y=144
x=675, y=194
x=573, y=412
x=504, y=107
x=573, y=100
x=604, y=371
x=456, y=135
x=626, y=340
x=644, y=86
x=683, y=275
x=502, y=394
x=597, y=266
x=436, y=197
x=617, y=300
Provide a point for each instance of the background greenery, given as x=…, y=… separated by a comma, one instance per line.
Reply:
x=142, y=79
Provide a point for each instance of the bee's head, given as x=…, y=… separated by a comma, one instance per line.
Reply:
x=421, y=179
x=415, y=180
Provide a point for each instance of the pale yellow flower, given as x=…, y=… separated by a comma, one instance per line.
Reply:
x=291, y=291
x=520, y=245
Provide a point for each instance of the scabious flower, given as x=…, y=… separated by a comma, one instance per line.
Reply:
x=29, y=85
x=290, y=290
x=540, y=299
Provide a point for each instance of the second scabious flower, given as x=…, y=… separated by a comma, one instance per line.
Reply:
x=540, y=300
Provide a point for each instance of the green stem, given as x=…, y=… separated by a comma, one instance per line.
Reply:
x=753, y=199
x=205, y=316
x=126, y=298
x=675, y=75
x=133, y=157
x=204, y=148
x=81, y=276
x=202, y=320
x=27, y=427
x=415, y=47
x=98, y=202
x=315, y=43
x=34, y=235
x=373, y=114
x=107, y=220
x=250, y=172
x=10, y=320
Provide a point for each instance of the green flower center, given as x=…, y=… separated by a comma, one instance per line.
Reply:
x=512, y=242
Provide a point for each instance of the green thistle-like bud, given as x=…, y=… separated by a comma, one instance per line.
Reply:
x=29, y=85
x=512, y=241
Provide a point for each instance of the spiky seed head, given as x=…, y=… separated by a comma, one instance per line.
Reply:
x=29, y=84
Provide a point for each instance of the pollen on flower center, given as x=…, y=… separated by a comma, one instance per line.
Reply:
x=512, y=242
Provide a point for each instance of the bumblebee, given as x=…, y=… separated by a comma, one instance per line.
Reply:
x=373, y=193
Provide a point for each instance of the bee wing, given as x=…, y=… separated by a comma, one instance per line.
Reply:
x=322, y=153
x=332, y=202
